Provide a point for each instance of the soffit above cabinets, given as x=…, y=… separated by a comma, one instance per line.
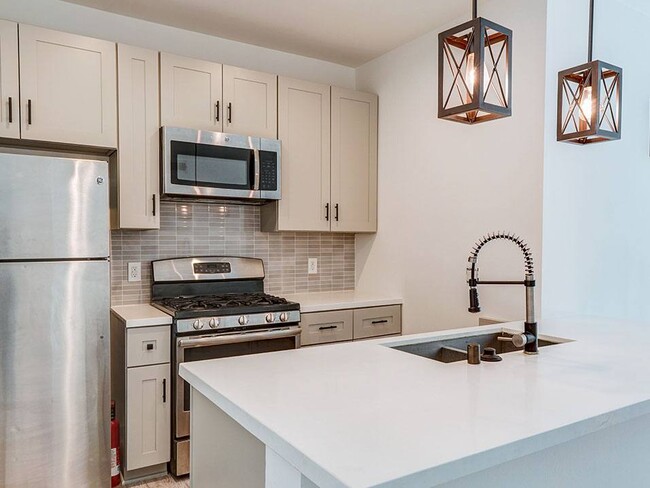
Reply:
x=341, y=31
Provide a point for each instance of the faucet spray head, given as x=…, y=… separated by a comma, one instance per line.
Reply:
x=474, y=306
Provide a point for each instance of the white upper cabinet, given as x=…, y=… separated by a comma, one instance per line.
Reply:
x=139, y=141
x=67, y=88
x=354, y=161
x=9, y=101
x=190, y=93
x=304, y=129
x=250, y=100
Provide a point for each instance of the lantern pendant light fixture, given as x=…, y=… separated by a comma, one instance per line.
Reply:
x=589, y=99
x=475, y=71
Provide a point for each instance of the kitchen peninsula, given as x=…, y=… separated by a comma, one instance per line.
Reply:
x=364, y=414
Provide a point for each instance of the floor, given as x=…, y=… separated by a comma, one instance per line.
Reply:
x=167, y=481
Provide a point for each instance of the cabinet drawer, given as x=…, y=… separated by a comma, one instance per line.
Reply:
x=377, y=321
x=147, y=345
x=322, y=327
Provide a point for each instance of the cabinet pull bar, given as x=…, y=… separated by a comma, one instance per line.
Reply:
x=11, y=110
x=153, y=199
x=379, y=322
x=29, y=112
x=327, y=327
x=164, y=390
x=327, y=212
x=336, y=212
x=229, y=113
x=216, y=109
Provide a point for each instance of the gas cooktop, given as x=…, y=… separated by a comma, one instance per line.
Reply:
x=224, y=304
x=218, y=294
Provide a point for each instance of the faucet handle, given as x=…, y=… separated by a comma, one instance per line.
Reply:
x=519, y=340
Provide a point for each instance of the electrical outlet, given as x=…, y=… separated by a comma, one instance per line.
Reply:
x=312, y=266
x=134, y=270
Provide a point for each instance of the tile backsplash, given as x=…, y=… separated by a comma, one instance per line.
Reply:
x=200, y=229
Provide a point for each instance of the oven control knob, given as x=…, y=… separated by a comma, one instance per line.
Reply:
x=243, y=320
x=270, y=317
x=284, y=317
x=214, y=323
x=197, y=324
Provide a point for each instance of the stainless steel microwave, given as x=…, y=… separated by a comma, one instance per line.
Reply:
x=214, y=165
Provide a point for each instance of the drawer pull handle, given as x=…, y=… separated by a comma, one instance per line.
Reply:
x=150, y=347
x=29, y=112
x=11, y=111
x=327, y=327
x=164, y=390
x=384, y=321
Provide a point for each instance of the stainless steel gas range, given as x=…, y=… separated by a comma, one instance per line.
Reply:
x=219, y=310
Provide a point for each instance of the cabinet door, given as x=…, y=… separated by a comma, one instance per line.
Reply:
x=304, y=129
x=190, y=93
x=251, y=101
x=9, y=102
x=354, y=161
x=148, y=420
x=377, y=321
x=138, y=150
x=67, y=87
x=324, y=327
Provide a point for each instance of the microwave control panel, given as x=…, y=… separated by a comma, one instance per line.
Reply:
x=268, y=170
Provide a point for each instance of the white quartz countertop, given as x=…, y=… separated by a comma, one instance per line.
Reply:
x=142, y=315
x=362, y=414
x=340, y=300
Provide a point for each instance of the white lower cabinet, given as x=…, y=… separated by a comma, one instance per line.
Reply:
x=323, y=327
x=148, y=415
x=141, y=389
x=350, y=324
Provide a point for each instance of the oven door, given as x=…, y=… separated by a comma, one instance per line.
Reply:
x=209, y=164
x=222, y=346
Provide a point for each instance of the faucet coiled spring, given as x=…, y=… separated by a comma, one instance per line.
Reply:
x=528, y=256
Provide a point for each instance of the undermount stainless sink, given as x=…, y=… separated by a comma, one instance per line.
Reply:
x=455, y=349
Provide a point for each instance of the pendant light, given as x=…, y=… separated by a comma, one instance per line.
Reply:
x=589, y=99
x=475, y=71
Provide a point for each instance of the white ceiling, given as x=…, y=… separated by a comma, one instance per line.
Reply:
x=348, y=32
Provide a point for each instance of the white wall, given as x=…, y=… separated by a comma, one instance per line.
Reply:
x=442, y=184
x=596, y=197
x=77, y=19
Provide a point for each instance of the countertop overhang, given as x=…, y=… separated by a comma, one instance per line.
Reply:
x=364, y=415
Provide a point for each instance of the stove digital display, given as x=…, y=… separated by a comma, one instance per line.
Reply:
x=211, y=268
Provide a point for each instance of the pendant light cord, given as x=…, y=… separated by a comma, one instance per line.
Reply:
x=475, y=9
x=591, y=32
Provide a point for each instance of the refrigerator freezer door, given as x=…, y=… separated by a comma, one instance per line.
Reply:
x=54, y=390
x=52, y=208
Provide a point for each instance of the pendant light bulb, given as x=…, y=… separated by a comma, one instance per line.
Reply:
x=586, y=105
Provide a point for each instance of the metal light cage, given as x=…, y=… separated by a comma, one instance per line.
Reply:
x=475, y=72
x=589, y=103
x=589, y=99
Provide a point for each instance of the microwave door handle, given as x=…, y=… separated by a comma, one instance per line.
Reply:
x=256, y=180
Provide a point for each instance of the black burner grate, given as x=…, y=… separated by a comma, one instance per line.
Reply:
x=216, y=302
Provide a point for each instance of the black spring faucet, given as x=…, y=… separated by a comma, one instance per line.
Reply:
x=529, y=339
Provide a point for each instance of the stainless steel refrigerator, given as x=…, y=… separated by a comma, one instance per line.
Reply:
x=54, y=316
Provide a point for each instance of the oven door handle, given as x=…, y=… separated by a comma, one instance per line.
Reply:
x=237, y=338
x=256, y=159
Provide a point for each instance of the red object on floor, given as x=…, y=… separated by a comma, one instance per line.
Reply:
x=116, y=477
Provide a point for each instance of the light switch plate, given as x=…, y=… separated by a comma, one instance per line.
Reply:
x=312, y=266
x=134, y=271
